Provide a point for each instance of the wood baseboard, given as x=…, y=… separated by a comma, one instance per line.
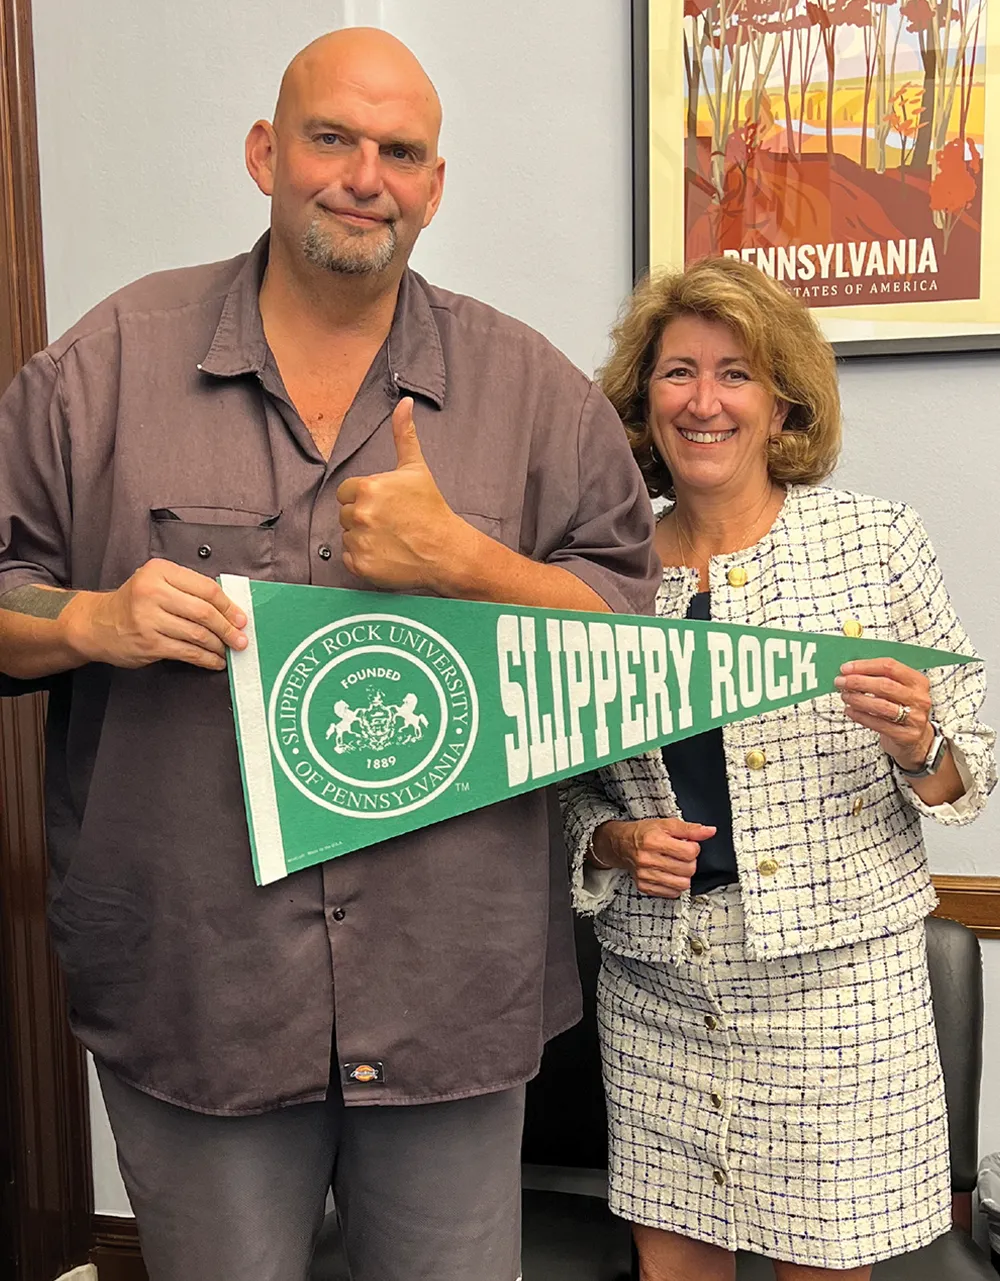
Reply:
x=973, y=900
x=115, y=1249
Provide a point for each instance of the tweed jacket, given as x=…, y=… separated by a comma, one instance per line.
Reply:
x=827, y=834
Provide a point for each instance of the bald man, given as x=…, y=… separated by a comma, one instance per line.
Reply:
x=310, y=412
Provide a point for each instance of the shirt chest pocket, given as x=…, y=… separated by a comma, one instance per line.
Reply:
x=214, y=540
x=491, y=526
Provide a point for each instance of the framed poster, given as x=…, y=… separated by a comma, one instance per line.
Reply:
x=843, y=146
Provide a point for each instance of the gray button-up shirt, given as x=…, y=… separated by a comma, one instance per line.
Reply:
x=159, y=426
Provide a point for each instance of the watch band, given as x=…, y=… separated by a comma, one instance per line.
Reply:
x=933, y=760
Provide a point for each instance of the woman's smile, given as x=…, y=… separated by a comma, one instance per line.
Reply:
x=706, y=437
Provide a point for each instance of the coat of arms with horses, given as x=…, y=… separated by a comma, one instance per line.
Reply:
x=378, y=725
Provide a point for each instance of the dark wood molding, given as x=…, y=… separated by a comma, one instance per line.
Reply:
x=961, y=1211
x=115, y=1250
x=47, y=1192
x=973, y=900
x=22, y=306
x=50, y=1187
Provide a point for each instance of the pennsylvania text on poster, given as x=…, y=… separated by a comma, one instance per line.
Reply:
x=839, y=144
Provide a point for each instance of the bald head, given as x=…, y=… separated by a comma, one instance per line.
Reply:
x=370, y=62
x=351, y=160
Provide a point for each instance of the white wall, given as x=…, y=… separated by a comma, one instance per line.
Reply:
x=142, y=113
x=924, y=429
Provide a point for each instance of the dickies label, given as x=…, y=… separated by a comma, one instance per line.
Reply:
x=370, y=1072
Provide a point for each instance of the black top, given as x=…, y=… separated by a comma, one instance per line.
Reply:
x=697, y=768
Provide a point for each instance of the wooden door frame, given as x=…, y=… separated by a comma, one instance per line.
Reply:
x=47, y=1197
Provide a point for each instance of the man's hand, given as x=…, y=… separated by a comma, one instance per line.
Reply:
x=660, y=854
x=162, y=611
x=399, y=532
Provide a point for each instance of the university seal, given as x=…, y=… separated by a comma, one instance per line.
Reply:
x=372, y=716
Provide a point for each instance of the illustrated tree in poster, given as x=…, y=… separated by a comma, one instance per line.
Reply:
x=838, y=143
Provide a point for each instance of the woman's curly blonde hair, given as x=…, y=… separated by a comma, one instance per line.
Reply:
x=786, y=351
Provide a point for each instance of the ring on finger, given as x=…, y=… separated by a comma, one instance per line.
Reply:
x=901, y=714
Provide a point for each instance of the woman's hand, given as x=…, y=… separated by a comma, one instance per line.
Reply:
x=660, y=854
x=893, y=700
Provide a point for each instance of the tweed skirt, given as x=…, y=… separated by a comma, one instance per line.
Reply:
x=794, y=1107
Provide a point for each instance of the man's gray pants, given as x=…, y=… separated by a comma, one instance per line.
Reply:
x=428, y=1192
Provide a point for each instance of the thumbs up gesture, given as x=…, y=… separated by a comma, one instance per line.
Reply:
x=398, y=529
x=404, y=433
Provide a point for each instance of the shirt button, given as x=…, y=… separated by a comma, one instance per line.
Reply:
x=756, y=759
x=716, y=1100
x=737, y=576
x=324, y=552
x=697, y=947
x=858, y=806
x=767, y=866
x=852, y=628
x=720, y=1177
x=339, y=914
x=711, y=1022
x=204, y=551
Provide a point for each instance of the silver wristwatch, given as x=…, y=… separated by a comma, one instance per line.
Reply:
x=933, y=760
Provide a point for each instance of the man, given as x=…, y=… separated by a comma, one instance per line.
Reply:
x=311, y=412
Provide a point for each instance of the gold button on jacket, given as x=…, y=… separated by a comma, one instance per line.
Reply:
x=697, y=947
x=737, y=576
x=716, y=1100
x=756, y=759
x=852, y=628
x=858, y=806
x=719, y=1177
x=710, y=1022
x=767, y=866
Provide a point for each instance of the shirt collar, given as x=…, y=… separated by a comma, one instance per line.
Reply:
x=238, y=345
x=415, y=353
x=416, y=357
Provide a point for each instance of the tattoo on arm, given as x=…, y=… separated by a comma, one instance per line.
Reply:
x=36, y=602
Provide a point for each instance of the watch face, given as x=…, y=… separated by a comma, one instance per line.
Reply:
x=933, y=759
x=936, y=754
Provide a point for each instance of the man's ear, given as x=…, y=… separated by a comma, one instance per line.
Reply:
x=437, y=191
x=261, y=154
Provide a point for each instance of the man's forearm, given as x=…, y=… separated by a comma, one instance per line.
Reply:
x=483, y=569
x=33, y=635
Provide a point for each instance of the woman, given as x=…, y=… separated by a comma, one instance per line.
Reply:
x=771, y=1067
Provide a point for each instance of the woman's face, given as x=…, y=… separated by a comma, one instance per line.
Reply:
x=710, y=419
